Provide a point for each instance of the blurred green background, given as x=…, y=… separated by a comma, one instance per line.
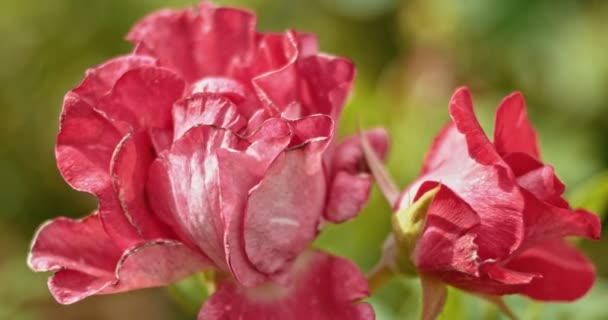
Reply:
x=410, y=56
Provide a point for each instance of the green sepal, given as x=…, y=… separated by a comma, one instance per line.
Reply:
x=408, y=224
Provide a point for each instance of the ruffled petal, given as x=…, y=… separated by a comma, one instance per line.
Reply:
x=87, y=262
x=566, y=274
x=74, y=244
x=129, y=170
x=285, y=208
x=100, y=80
x=205, y=108
x=85, y=147
x=513, y=131
x=350, y=178
x=206, y=41
x=142, y=98
x=306, y=84
x=322, y=287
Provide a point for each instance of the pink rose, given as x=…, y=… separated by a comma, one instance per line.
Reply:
x=210, y=147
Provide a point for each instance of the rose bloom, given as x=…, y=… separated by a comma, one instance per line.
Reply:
x=211, y=147
x=497, y=222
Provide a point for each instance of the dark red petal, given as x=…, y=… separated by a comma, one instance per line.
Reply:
x=513, y=131
x=100, y=80
x=566, y=274
x=350, y=177
x=208, y=41
x=285, y=209
x=142, y=98
x=447, y=243
x=545, y=222
x=205, y=108
x=322, y=287
x=537, y=178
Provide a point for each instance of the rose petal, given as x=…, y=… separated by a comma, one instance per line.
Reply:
x=323, y=287
x=100, y=80
x=322, y=82
x=205, y=108
x=544, y=222
x=142, y=98
x=208, y=41
x=566, y=273
x=537, y=178
x=151, y=264
x=347, y=196
x=129, y=169
x=479, y=147
x=87, y=262
x=74, y=244
x=513, y=131
x=239, y=173
x=284, y=210
x=191, y=180
x=447, y=242
x=350, y=177
x=85, y=147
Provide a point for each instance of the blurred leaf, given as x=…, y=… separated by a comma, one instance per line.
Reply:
x=454, y=308
x=192, y=292
x=592, y=195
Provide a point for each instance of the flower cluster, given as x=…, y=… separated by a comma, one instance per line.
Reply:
x=211, y=148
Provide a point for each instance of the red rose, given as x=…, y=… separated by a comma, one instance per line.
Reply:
x=211, y=147
x=497, y=221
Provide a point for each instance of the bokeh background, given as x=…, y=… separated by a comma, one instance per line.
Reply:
x=410, y=55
